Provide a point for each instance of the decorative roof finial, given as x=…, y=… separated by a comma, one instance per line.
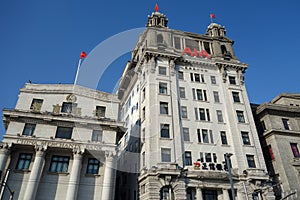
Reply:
x=156, y=7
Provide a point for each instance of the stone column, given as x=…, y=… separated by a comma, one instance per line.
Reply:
x=36, y=172
x=226, y=194
x=199, y=194
x=75, y=175
x=109, y=177
x=4, y=153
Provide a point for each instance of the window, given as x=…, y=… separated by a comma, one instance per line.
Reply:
x=220, y=116
x=29, y=129
x=201, y=157
x=165, y=130
x=295, y=150
x=251, y=161
x=165, y=155
x=192, y=44
x=206, y=47
x=186, y=134
x=205, y=136
x=199, y=94
x=236, y=97
x=240, y=116
x=93, y=166
x=197, y=77
x=245, y=138
x=97, y=135
x=202, y=113
x=184, y=112
x=210, y=194
x=232, y=80
x=143, y=113
x=59, y=164
x=199, y=135
x=263, y=126
x=36, y=105
x=182, y=92
x=187, y=158
x=24, y=161
x=160, y=38
x=162, y=70
x=64, y=132
x=216, y=97
x=143, y=135
x=286, y=124
x=180, y=75
x=164, y=108
x=162, y=88
x=196, y=113
x=68, y=107
x=166, y=193
x=100, y=111
x=223, y=137
x=213, y=80
x=177, y=43
x=208, y=157
x=143, y=94
x=211, y=136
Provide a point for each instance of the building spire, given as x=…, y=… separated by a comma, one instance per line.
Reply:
x=156, y=7
x=157, y=19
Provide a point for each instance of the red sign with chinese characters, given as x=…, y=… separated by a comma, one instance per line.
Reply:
x=195, y=53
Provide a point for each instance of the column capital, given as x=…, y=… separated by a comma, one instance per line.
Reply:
x=40, y=150
x=78, y=152
x=110, y=155
x=5, y=147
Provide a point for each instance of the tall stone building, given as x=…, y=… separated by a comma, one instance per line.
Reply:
x=60, y=143
x=183, y=95
x=279, y=129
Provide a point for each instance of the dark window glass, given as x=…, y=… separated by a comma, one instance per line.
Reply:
x=164, y=108
x=186, y=134
x=93, y=166
x=164, y=131
x=64, y=132
x=208, y=157
x=232, y=80
x=177, y=43
x=192, y=76
x=100, y=111
x=162, y=70
x=163, y=88
x=180, y=75
x=165, y=193
x=59, y=164
x=240, y=116
x=213, y=80
x=29, y=129
x=199, y=135
x=68, y=107
x=182, y=92
x=286, y=124
x=165, y=155
x=197, y=77
x=207, y=115
x=196, y=113
x=97, y=135
x=220, y=116
x=216, y=97
x=36, y=104
x=192, y=44
x=206, y=47
x=202, y=114
x=295, y=150
x=245, y=137
x=236, y=97
x=223, y=137
x=184, y=112
x=160, y=39
x=205, y=136
x=211, y=136
x=251, y=162
x=210, y=194
x=24, y=161
x=188, y=158
x=199, y=94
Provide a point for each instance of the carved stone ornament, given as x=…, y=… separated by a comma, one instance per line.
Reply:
x=71, y=98
x=36, y=107
x=56, y=109
x=152, y=64
x=172, y=67
x=224, y=73
x=241, y=76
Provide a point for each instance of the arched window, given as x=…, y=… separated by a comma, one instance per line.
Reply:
x=223, y=49
x=166, y=193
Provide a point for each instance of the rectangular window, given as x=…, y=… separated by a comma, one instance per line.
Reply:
x=186, y=134
x=263, y=125
x=188, y=158
x=207, y=115
x=240, y=116
x=196, y=113
x=199, y=95
x=93, y=166
x=205, y=136
x=143, y=135
x=201, y=157
x=143, y=159
x=29, y=129
x=197, y=77
x=295, y=150
x=202, y=78
x=223, y=137
x=245, y=138
x=64, y=132
x=211, y=137
x=165, y=130
x=68, y=107
x=165, y=155
x=216, y=97
x=180, y=75
x=59, y=164
x=220, y=116
x=36, y=105
x=213, y=80
x=184, y=112
x=192, y=44
x=24, y=161
x=162, y=70
x=164, y=108
x=202, y=114
x=177, y=43
x=208, y=157
x=143, y=94
x=215, y=158
x=97, y=135
x=232, y=80
x=192, y=76
x=143, y=113
x=182, y=92
x=286, y=124
x=199, y=135
x=206, y=47
x=100, y=111
x=163, y=88
x=236, y=97
x=251, y=161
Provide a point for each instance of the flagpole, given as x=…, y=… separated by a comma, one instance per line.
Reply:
x=76, y=77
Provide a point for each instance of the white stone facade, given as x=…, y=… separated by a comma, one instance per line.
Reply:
x=61, y=143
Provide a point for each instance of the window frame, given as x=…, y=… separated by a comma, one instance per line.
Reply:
x=163, y=88
x=164, y=108
x=61, y=165
x=162, y=70
x=251, y=161
x=166, y=155
x=224, y=140
x=29, y=129
x=245, y=138
x=24, y=161
x=59, y=128
x=188, y=158
x=240, y=116
x=97, y=135
x=165, y=129
x=92, y=163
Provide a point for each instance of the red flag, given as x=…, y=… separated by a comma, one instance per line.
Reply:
x=156, y=8
x=212, y=16
x=82, y=55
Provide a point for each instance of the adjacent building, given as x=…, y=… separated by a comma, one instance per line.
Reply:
x=60, y=143
x=185, y=106
x=278, y=124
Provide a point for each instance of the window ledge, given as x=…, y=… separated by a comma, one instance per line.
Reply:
x=59, y=173
x=165, y=115
x=185, y=119
x=225, y=145
x=25, y=171
x=162, y=138
x=93, y=175
x=243, y=123
x=163, y=94
x=188, y=142
x=203, y=121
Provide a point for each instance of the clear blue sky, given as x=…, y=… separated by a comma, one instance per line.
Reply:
x=41, y=40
